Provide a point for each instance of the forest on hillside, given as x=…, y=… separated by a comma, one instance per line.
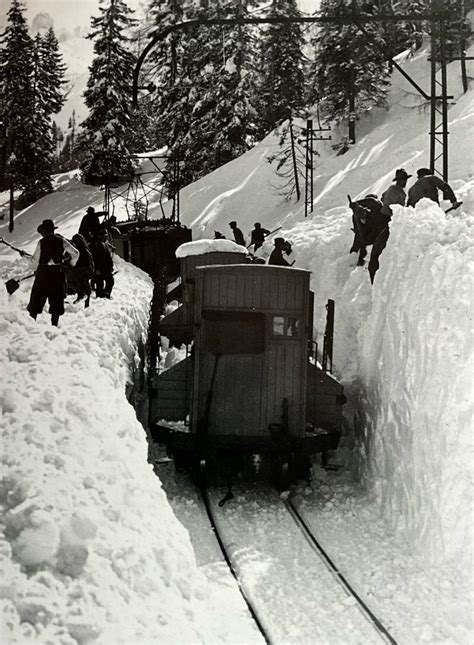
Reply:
x=208, y=92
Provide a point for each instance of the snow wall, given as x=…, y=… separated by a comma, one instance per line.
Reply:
x=90, y=550
x=404, y=351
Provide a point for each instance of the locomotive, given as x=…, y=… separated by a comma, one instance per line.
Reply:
x=249, y=383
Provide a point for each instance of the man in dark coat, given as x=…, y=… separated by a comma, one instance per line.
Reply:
x=258, y=235
x=428, y=185
x=79, y=277
x=104, y=265
x=238, y=235
x=276, y=256
x=49, y=261
x=90, y=225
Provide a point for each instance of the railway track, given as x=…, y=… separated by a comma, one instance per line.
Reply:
x=321, y=552
x=291, y=595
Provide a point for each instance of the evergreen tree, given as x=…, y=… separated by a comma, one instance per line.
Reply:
x=37, y=179
x=52, y=72
x=16, y=98
x=164, y=66
x=282, y=68
x=208, y=118
x=223, y=118
x=349, y=74
x=106, y=134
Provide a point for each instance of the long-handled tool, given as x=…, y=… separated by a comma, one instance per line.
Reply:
x=12, y=285
x=20, y=251
x=453, y=207
x=266, y=236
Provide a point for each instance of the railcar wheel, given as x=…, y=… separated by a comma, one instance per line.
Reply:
x=182, y=462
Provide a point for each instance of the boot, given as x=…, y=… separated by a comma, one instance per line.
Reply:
x=54, y=319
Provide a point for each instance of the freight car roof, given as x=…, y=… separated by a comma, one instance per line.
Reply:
x=199, y=247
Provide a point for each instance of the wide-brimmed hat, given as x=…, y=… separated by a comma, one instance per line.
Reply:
x=279, y=241
x=46, y=225
x=232, y=223
x=401, y=173
x=423, y=172
x=90, y=209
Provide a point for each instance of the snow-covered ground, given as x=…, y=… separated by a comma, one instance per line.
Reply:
x=91, y=550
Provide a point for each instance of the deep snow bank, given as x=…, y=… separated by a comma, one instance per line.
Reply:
x=89, y=547
x=404, y=351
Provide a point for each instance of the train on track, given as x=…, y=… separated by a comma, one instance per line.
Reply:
x=249, y=383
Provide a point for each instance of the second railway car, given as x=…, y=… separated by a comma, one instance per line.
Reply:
x=250, y=383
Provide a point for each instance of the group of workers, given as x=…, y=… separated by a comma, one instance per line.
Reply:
x=379, y=212
x=86, y=262
x=257, y=238
x=83, y=264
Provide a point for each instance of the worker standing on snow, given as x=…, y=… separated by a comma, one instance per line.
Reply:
x=90, y=225
x=238, y=235
x=276, y=258
x=428, y=185
x=102, y=253
x=49, y=260
x=258, y=235
x=394, y=194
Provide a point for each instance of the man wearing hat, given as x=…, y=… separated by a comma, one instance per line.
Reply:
x=394, y=194
x=238, y=235
x=48, y=262
x=428, y=185
x=90, y=225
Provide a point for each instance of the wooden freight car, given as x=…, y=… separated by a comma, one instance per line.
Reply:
x=178, y=325
x=151, y=245
x=252, y=387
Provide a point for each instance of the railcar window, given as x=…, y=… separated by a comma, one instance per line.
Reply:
x=229, y=332
x=285, y=326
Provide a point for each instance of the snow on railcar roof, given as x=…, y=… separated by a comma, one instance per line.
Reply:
x=199, y=247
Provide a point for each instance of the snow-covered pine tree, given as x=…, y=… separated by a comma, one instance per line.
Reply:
x=282, y=78
x=48, y=77
x=16, y=99
x=224, y=117
x=209, y=118
x=37, y=180
x=52, y=71
x=349, y=74
x=106, y=134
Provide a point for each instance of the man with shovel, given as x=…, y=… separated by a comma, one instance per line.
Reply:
x=52, y=254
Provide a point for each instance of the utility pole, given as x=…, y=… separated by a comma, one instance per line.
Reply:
x=293, y=156
x=311, y=135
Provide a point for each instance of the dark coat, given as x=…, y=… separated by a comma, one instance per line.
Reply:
x=238, y=236
x=85, y=255
x=277, y=258
x=89, y=226
x=102, y=255
x=257, y=237
x=428, y=186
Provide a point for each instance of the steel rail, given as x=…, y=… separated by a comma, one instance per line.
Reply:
x=316, y=546
x=228, y=560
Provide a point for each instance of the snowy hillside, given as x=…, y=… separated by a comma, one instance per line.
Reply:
x=91, y=550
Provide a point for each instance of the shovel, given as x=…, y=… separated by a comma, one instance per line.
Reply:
x=453, y=207
x=12, y=285
x=20, y=251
